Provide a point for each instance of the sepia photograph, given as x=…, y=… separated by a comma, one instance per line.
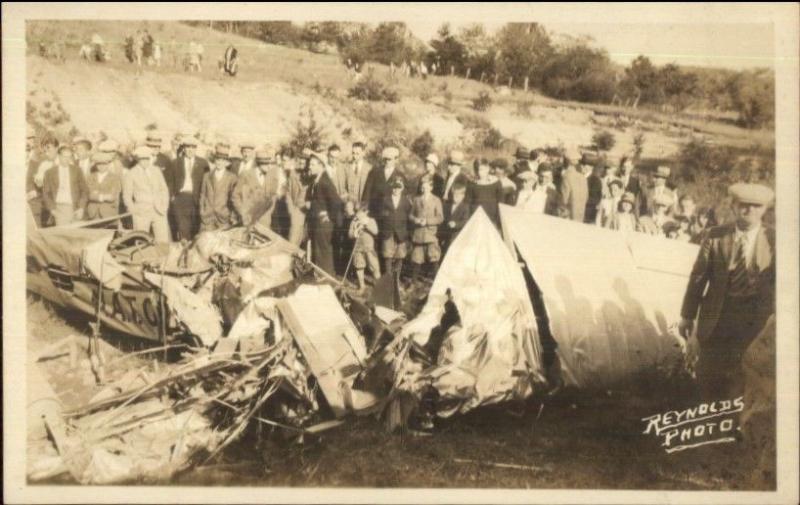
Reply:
x=342, y=252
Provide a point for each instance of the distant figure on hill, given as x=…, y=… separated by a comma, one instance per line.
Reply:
x=230, y=61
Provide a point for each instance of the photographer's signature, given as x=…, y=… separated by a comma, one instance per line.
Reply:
x=707, y=423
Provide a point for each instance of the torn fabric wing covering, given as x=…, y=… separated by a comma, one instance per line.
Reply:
x=613, y=299
x=494, y=354
x=200, y=316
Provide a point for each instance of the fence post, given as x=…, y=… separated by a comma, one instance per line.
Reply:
x=469, y=71
x=510, y=80
x=496, y=76
x=526, y=83
x=452, y=70
x=483, y=75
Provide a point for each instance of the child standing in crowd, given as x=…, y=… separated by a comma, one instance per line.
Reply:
x=609, y=205
x=456, y=214
x=653, y=223
x=394, y=228
x=363, y=230
x=624, y=219
x=502, y=172
x=426, y=216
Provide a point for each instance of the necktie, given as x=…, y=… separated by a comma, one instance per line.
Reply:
x=739, y=275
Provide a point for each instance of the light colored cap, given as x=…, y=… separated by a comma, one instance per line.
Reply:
x=390, y=153
x=662, y=171
x=457, y=157
x=142, y=153
x=266, y=153
x=755, y=194
x=153, y=139
x=527, y=175
x=321, y=157
x=247, y=144
x=189, y=140
x=108, y=146
x=432, y=158
x=82, y=140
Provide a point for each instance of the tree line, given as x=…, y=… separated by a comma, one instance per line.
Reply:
x=526, y=55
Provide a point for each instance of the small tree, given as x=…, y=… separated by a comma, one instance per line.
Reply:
x=307, y=132
x=482, y=102
x=423, y=145
x=603, y=141
x=370, y=88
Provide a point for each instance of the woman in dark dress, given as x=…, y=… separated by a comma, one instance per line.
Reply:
x=487, y=191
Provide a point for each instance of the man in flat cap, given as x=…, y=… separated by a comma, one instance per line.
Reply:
x=160, y=160
x=659, y=190
x=732, y=285
x=83, y=155
x=216, y=196
x=184, y=181
x=104, y=188
x=64, y=192
x=146, y=195
x=257, y=191
x=248, y=161
x=378, y=185
x=455, y=176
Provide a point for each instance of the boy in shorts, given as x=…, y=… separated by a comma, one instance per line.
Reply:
x=363, y=230
x=426, y=216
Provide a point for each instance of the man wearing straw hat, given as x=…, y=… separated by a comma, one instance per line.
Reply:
x=731, y=291
x=146, y=195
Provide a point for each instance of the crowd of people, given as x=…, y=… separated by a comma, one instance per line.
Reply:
x=354, y=218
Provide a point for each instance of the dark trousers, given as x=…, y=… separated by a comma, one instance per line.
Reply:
x=184, y=211
x=719, y=366
x=322, y=246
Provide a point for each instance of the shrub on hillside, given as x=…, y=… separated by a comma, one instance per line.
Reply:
x=493, y=139
x=603, y=140
x=482, y=102
x=423, y=145
x=524, y=109
x=372, y=89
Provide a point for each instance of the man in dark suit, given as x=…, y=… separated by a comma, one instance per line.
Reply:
x=324, y=214
x=160, y=160
x=732, y=285
x=379, y=180
x=185, y=181
x=393, y=225
x=456, y=215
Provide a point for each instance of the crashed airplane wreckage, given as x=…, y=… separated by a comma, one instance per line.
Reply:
x=277, y=344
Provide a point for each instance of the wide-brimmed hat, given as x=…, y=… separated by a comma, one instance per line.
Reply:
x=266, y=154
x=82, y=140
x=153, y=139
x=628, y=197
x=188, y=140
x=522, y=154
x=101, y=157
x=527, y=175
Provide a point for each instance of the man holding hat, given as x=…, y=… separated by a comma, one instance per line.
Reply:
x=455, y=162
x=661, y=190
x=146, y=195
x=104, y=188
x=184, y=181
x=324, y=213
x=64, y=192
x=732, y=285
x=216, y=196
x=257, y=191
x=379, y=180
